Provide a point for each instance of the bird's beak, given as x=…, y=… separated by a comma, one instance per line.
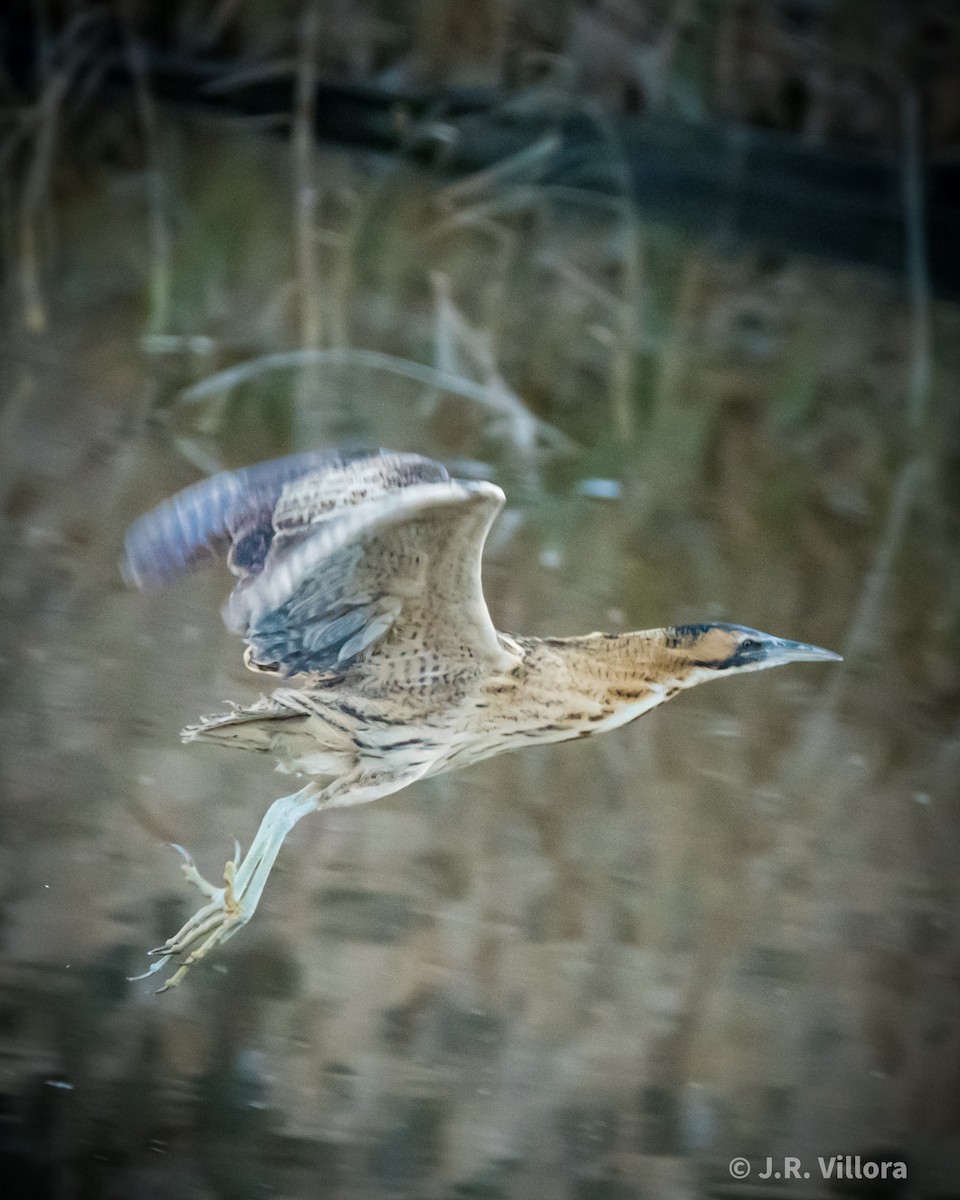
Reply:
x=781, y=651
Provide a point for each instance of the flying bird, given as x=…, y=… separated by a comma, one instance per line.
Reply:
x=358, y=590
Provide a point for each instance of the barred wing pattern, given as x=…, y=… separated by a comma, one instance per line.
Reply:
x=333, y=555
x=231, y=511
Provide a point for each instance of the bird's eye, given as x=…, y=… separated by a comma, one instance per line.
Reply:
x=749, y=644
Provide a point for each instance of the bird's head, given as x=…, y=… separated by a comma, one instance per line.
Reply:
x=718, y=650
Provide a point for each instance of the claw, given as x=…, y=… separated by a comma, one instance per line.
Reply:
x=184, y=854
x=157, y=966
x=171, y=982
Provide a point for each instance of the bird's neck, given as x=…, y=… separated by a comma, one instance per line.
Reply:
x=611, y=678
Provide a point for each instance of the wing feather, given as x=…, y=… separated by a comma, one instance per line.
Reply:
x=351, y=556
x=232, y=510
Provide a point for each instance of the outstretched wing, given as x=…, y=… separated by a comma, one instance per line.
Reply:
x=336, y=555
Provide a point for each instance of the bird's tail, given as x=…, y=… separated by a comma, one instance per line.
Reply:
x=247, y=727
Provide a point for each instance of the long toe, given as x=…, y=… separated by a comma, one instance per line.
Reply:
x=212, y=924
x=185, y=933
x=151, y=970
x=198, y=934
x=220, y=929
x=198, y=881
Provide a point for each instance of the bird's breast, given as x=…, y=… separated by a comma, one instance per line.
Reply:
x=628, y=709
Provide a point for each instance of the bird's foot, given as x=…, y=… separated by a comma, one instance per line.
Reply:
x=210, y=926
x=230, y=907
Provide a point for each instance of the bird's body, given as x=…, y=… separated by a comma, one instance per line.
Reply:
x=359, y=588
x=435, y=718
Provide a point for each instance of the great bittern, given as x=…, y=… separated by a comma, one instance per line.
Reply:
x=359, y=580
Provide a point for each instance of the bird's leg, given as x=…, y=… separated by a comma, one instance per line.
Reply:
x=231, y=906
x=228, y=908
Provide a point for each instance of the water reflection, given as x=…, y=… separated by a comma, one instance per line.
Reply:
x=596, y=970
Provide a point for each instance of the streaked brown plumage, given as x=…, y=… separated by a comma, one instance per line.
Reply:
x=359, y=580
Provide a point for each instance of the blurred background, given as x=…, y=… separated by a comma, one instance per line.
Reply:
x=681, y=276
